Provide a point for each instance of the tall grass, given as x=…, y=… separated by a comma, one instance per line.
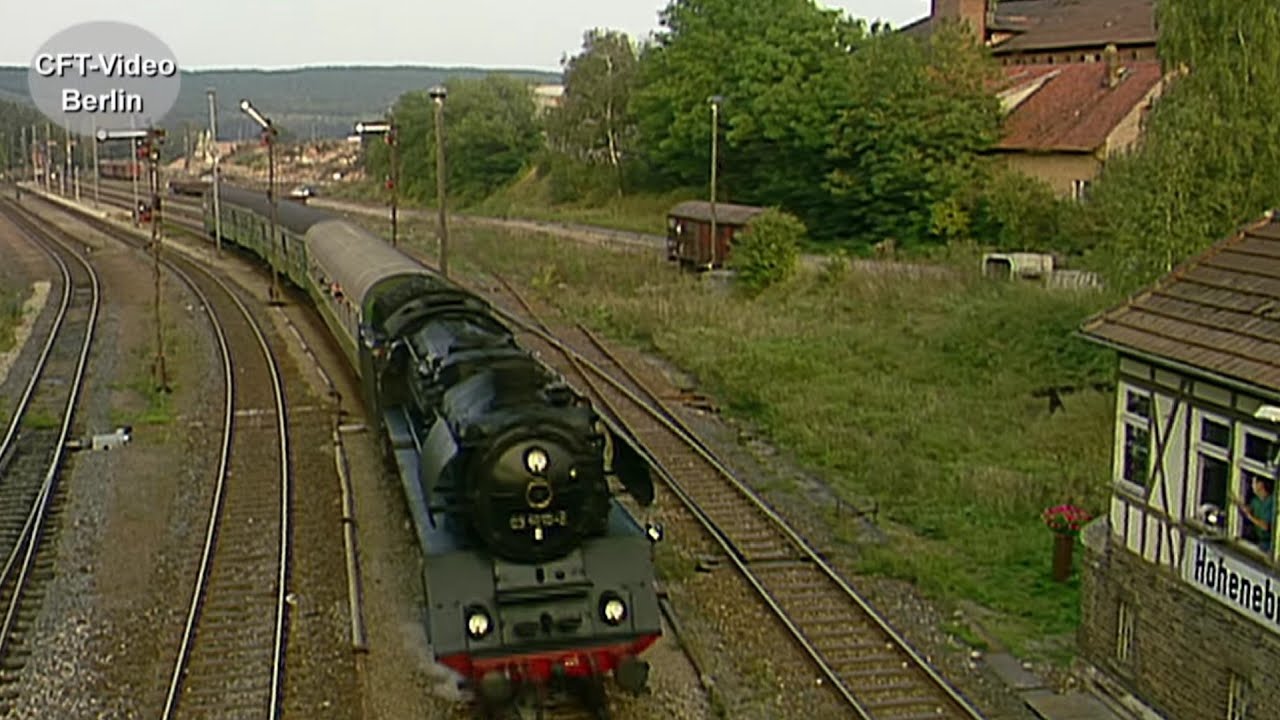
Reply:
x=914, y=392
x=11, y=312
x=530, y=197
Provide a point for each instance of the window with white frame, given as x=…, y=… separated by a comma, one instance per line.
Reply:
x=1256, y=487
x=1233, y=466
x=1213, y=461
x=1124, y=632
x=1080, y=190
x=1135, y=437
x=1237, y=697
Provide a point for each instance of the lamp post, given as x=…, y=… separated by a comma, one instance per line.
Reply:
x=715, y=101
x=135, y=170
x=213, y=144
x=152, y=147
x=438, y=94
x=269, y=136
x=388, y=131
x=97, y=195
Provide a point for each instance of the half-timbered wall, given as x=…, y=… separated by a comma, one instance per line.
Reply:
x=1180, y=604
x=1184, y=448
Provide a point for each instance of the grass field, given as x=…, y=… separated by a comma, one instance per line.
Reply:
x=916, y=393
x=10, y=316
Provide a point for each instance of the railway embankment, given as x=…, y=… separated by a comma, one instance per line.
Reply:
x=21, y=324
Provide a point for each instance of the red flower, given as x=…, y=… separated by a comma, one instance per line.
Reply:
x=1065, y=519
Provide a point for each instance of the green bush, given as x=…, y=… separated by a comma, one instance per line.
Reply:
x=1017, y=212
x=572, y=180
x=766, y=253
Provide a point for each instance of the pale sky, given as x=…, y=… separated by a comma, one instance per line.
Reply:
x=277, y=33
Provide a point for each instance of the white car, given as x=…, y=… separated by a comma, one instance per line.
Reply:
x=302, y=191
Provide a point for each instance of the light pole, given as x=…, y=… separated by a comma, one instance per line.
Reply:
x=269, y=135
x=715, y=101
x=388, y=131
x=213, y=144
x=135, y=169
x=152, y=147
x=97, y=195
x=438, y=94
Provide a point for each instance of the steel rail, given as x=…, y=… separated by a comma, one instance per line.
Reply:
x=30, y=534
x=281, y=605
x=215, y=510
x=732, y=551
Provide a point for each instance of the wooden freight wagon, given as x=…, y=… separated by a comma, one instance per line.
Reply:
x=689, y=232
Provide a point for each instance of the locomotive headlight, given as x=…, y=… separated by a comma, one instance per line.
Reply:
x=612, y=609
x=536, y=460
x=478, y=623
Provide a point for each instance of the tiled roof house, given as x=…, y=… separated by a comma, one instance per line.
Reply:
x=1079, y=76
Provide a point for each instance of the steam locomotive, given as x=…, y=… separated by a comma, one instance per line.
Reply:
x=533, y=572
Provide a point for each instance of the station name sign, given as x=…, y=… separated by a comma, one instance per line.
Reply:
x=1236, y=584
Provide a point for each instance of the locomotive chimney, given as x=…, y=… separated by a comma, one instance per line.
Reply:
x=973, y=12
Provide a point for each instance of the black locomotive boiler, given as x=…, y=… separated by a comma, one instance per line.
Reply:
x=532, y=570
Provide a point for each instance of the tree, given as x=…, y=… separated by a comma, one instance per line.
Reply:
x=782, y=68
x=16, y=122
x=491, y=133
x=1211, y=157
x=908, y=145
x=593, y=123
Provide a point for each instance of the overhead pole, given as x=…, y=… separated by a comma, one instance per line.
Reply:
x=438, y=94
x=97, y=196
x=217, y=190
x=64, y=182
x=387, y=129
x=154, y=140
x=46, y=159
x=145, y=145
x=715, y=101
x=269, y=133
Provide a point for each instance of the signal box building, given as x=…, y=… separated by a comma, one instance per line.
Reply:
x=1181, y=597
x=689, y=232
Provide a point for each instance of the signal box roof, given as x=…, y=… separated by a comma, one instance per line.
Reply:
x=1218, y=313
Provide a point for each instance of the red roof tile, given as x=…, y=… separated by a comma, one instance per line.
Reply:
x=1073, y=110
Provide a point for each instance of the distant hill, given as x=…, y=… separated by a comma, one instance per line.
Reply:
x=320, y=101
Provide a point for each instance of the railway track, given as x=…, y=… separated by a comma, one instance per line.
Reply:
x=863, y=659
x=173, y=208
x=873, y=669
x=229, y=659
x=33, y=447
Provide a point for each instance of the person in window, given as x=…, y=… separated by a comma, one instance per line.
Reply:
x=1260, y=512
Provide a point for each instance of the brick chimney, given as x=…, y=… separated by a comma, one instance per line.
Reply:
x=1115, y=71
x=975, y=12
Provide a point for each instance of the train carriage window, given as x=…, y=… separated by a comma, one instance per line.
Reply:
x=1135, y=438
